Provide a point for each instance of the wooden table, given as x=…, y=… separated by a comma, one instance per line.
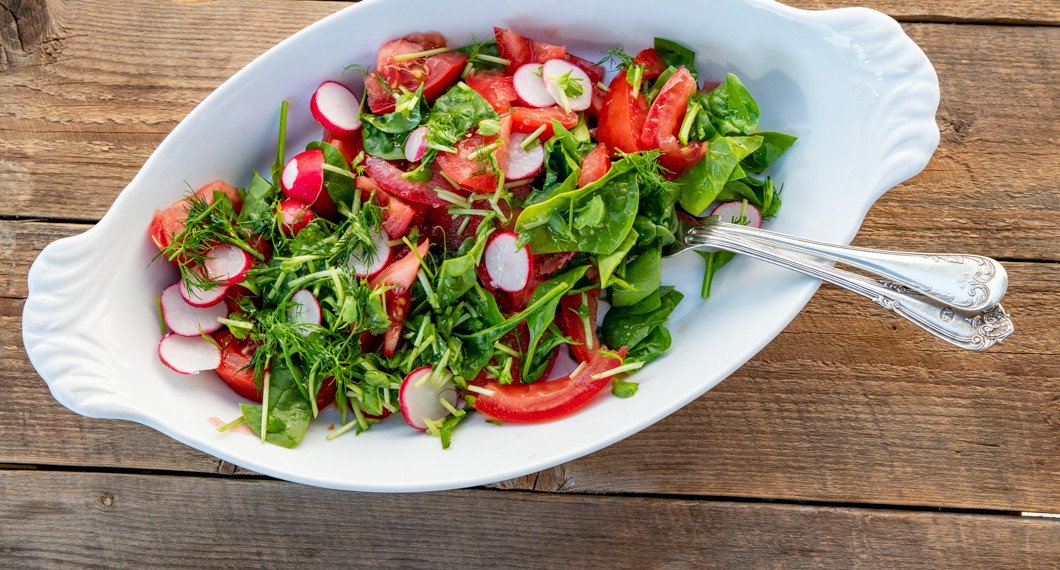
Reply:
x=849, y=441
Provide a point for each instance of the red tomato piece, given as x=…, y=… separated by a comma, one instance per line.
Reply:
x=527, y=120
x=236, y=372
x=495, y=87
x=547, y=400
x=474, y=173
x=572, y=325
x=541, y=52
x=651, y=62
x=594, y=71
x=388, y=177
x=595, y=165
x=546, y=264
x=348, y=145
x=436, y=73
x=513, y=47
x=397, y=215
x=170, y=222
x=399, y=277
x=679, y=158
x=622, y=118
x=668, y=109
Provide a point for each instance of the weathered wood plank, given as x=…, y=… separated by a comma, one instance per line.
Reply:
x=848, y=404
x=119, y=521
x=76, y=129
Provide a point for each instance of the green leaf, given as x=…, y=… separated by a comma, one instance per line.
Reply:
x=539, y=322
x=609, y=262
x=652, y=346
x=701, y=185
x=675, y=55
x=623, y=389
x=454, y=113
x=732, y=108
x=259, y=202
x=457, y=274
x=550, y=226
x=289, y=412
x=628, y=326
x=773, y=146
x=643, y=275
x=382, y=144
x=715, y=261
x=340, y=186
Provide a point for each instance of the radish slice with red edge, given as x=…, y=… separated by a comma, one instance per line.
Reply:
x=201, y=297
x=303, y=176
x=416, y=144
x=557, y=73
x=523, y=163
x=507, y=265
x=730, y=212
x=294, y=216
x=367, y=266
x=420, y=400
x=336, y=108
x=188, y=320
x=304, y=311
x=530, y=86
x=188, y=354
x=227, y=264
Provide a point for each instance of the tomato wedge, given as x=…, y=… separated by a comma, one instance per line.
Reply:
x=595, y=165
x=527, y=120
x=397, y=215
x=169, y=222
x=664, y=119
x=520, y=50
x=495, y=87
x=474, y=173
x=235, y=370
x=547, y=400
x=436, y=72
x=398, y=277
x=651, y=62
x=570, y=322
x=388, y=177
x=622, y=117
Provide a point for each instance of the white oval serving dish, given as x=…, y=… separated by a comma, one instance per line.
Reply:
x=857, y=91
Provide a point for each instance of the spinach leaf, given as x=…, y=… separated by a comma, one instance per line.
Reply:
x=457, y=275
x=653, y=346
x=550, y=226
x=382, y=144
x=539, y=322
x=651, y=234
x=623, y=389
x=259, y=203
x=289, y=412
x=563, y=158
x=543, y=356
x=715, y=261
x=702, y=128
x=338, y=180
x=384, y=135
x=454, y=113
x=643, y=275
x=701, y=185
x=628, y=327
x=773, y=146
x=675, y=55
x=607, y=264
x=732, y=108
x=760, y=193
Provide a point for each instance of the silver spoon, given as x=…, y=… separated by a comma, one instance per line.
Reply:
x=954, y=297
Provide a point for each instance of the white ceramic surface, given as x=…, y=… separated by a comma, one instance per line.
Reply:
x=860, y=95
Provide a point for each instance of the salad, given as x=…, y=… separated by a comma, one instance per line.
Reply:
x=445, y=247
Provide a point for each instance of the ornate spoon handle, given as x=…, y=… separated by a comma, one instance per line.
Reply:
x=965, y=282
x=968, y=330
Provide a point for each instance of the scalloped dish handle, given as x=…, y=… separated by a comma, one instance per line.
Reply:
x=58, y=333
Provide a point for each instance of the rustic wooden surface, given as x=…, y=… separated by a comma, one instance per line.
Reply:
x=872, y=443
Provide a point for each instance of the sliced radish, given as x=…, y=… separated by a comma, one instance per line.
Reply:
x=730, y=212
x=227, y=264
x=295, y=216
x=188, y=354
x=416, y=144
x=188, y=320
x=523, y=163
x=367, y=266
x=555, y=73
x=303, y=176
x=507, y=265
x=530, y=86
x=336, y=108
x=420, y=400
x=304, y=311
x=199, y=297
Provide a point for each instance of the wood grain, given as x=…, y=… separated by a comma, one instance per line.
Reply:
x=897, y=417
x=77, y=129
x=130, y=521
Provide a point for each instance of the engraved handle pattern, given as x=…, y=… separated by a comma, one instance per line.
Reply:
x=966, y=282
